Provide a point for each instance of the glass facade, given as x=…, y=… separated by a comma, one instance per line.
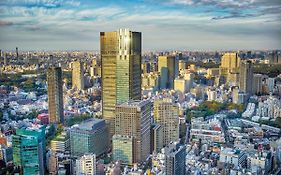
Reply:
x=29, y=151
x=121, y=70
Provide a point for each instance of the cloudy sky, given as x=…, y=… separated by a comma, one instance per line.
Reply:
x=165, y=24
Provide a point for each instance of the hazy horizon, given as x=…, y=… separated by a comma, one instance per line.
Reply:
x=165, y=25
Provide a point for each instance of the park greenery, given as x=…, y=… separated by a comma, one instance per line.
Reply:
x=209, y=108
x=77, y=119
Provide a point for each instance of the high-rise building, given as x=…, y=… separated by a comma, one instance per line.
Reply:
x=229, y=67
x=77, y=75
x=86, y=165
x=121, y=70
x=257, y=84
x=89, y=137
x=166, y=113
x=156, y=138
x=167, y=68
x=17, y=53
x=270, y=84
x=133, y=119
x=29, y=150
x=182, y=65
x=246, y=77
x=180, y=85
x=274, y=58
x=55, y=95
x=5, y=59
x=175, y=155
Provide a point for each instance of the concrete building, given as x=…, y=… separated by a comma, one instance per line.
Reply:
x=157, y=138
x=208, y=131
x=133, y=119
x=167, y=69
x=246, y=77
x=234, y=157
x=180, y=85
x=89, y=137
x=230, y=63
x=260, y=162
x=77, y=75
x=212, y=95
x=175, y=155
x=166, y=113
x=121, y=71
x=270, y=82
x=270, y=108
x=86, y=165
x=55, y=95
x=60, y=144
x=257, y=84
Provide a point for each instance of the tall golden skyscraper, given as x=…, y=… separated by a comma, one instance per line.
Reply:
x=121, y=70
x=55, y=95
x=77, y=75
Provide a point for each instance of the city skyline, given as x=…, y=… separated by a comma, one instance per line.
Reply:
x=170, y=24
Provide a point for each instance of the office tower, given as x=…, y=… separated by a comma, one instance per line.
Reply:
x=182, y=65
x=17, y=52
x=5, y=59
x=156, y=138
x=180, y=84
x=123, y=147
x=55, y=95
x=257, y=84
x=274, y=58
x=77, y=75
x=133, y=119
x=89, y=137
x=86, y=165
x=121, y=70
x=175, y=155
x=270, y=84
x=0, y=53
x=189, y=77
x=246, y=77
x=168, y=72
x=145, y=67
x=29, y=150
x=166, y=113
x=230, y=63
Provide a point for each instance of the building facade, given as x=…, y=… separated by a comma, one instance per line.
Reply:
x=55, y=95
x=166, y=113
x=121, y=70
x=133, y=119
